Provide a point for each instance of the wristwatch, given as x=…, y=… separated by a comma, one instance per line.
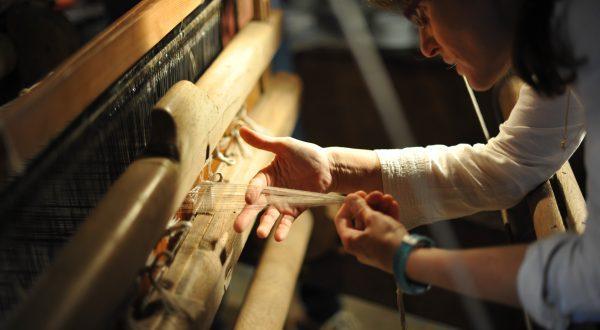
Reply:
x=409, y=243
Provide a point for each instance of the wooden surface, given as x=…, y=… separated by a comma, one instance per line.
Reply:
x=261, y=9
x=235, y=72
x=91, y=275
x=203, y=112
x=574, y=201
x=29, y=123
x=245, y=12
x=187, y=123
x=202, y=268
x=542, y=201
x=196, y=121
x=544, y=211
x=268, y=299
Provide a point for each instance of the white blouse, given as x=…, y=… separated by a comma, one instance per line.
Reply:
x=559, y=280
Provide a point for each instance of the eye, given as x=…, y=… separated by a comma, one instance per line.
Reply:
x=419, y=17
x=415, y=12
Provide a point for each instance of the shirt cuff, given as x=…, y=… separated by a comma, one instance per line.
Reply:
x=532, y=280
x=404, y=176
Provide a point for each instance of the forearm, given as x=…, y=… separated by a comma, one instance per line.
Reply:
x=487, y=273
x=354, y=169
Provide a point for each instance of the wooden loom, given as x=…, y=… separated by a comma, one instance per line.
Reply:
x=95, y=272
x=556, y=205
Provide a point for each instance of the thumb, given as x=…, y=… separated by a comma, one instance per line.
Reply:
x=358, y=206
x=260, y=141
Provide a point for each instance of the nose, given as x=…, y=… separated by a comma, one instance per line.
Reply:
x=428, y=44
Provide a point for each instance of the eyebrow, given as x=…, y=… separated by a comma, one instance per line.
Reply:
x=411, y=6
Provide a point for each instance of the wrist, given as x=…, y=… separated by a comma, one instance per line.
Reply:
x=393, y=246
x=353, y=169
x=410, y=244
x=332, y=158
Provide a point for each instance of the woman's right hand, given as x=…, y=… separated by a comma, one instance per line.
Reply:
x=297, y=165
x=369, y=229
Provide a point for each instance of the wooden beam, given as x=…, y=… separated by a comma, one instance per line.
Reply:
x=262, y=9
x=202, y=268
x=91, y=275
x=542, y=201
x=239, y=67
x=268, y=299
x=112, y=245
x=573, y=199
x=31, y=121
x=245, y=12
x=544, y=211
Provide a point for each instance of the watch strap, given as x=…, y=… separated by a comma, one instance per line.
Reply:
x=409, y=243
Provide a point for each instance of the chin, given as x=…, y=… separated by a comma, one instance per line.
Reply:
x=480, y=83
x=484, y=78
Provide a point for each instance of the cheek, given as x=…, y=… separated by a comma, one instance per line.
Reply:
x=482, y=68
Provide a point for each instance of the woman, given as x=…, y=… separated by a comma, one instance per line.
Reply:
x=551, y=45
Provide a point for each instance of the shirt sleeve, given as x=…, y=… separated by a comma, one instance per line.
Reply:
x=441, y=182
x=559, y=280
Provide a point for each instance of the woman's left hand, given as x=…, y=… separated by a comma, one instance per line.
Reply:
x=369, y=229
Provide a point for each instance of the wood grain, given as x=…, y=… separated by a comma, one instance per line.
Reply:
x=261, y=9
x=94, y=272
x=574, y=201
x=30, y=122
x=203, y=266
x=542, y=201
x=96, y=266
x=268, y=299
x=544, y=211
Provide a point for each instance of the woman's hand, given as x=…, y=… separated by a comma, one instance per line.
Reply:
x=297, y=165
x=369, y=228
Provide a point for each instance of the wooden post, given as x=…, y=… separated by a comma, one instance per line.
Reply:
x=542, y=201
x=268, y=299
x=202, y=268
x=573, y=199
x=544, y=211
x=262, y=9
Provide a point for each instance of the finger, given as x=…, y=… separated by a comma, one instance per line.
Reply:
x=358, y=208
x=343, y=219
x=267, y=221
x=284, y=227
x=344, y=213
x=358, y=224
x=246, y=217
x=351, y=196
x=393, y=209
x=375, y=200
x=261, y=141
x=361, y=193
x=346, y=233
x=375, y=195
x=255, y=187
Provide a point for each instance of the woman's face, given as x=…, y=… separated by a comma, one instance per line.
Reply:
x=475, y=36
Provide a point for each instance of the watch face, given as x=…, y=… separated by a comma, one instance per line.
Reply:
x=417, y=240
x=410, y=239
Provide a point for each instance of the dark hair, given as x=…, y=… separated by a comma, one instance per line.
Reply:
x=542, y=53
x=398, y=5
